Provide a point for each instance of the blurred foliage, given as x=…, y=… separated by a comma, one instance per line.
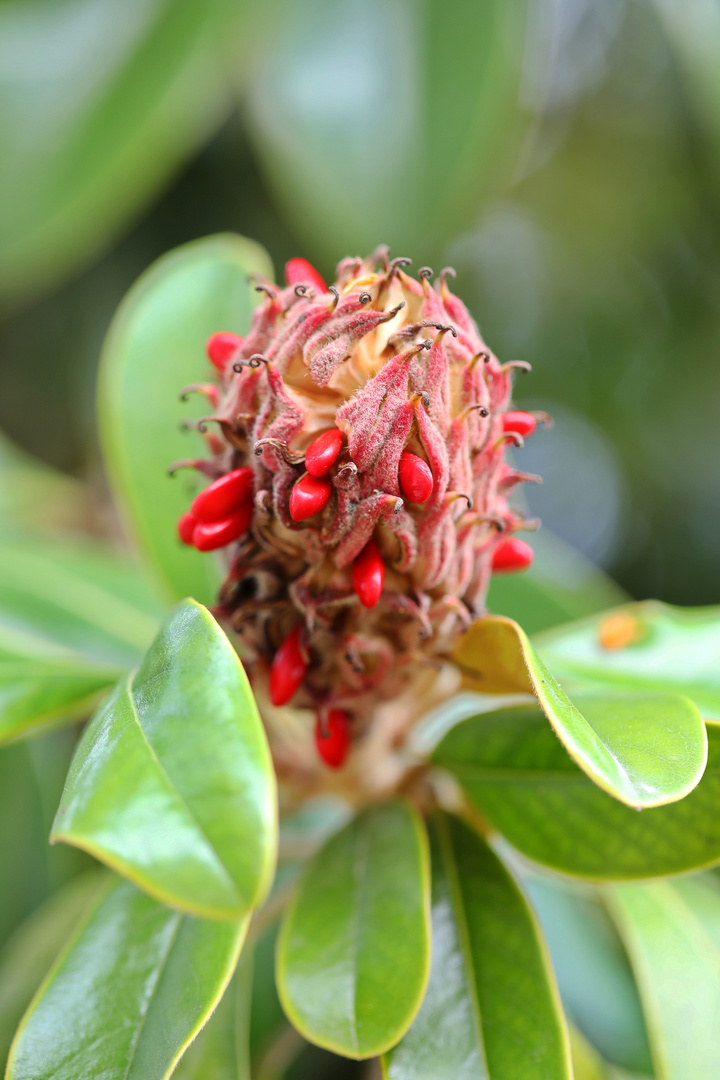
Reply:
x=563, y=155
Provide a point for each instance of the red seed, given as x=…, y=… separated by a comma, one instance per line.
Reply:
x=511, y=555
x=416, y=478
x=186, y=527
x=309, y=496
x=287, y=669
x=301, y=272
x=522, y=422
x=368, y=575
x=322, y=452
x=332, y=738
x=221, y=347
x=209, y=535
x=224, y=495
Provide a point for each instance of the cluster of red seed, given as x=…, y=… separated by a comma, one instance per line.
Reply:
x=224, y=512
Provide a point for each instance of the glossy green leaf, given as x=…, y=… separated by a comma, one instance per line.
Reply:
x=354, y=951
x=116, y=95
x=155, y=347
x=516, y=772
x=28, y=955
x=561, y=585
x=641, y=757
x=403, y=151
x=133, y=987
x=593, y=972
x=172, y=782
x=221, y=1050
x=491, y=1011
x=675, y=649
x=672, y=933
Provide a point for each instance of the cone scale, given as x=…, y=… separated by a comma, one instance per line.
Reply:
x=363, y=428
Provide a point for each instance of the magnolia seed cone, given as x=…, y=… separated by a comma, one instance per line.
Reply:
x=377, y=555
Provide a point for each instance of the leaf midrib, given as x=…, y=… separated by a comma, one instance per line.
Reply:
x=178, y=918
x=458, y=905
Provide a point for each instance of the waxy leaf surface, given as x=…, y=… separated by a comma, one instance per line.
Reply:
x=672, y=933
x=172, y=782
x=354, y=951
x=515, y=771
x=221, y=1050
x=491, y=1011
x=614, y=740
x=674, y=649
x=155, y=347
x=132, y=988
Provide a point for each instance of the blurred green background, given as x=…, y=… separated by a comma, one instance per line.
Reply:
x=562, y=155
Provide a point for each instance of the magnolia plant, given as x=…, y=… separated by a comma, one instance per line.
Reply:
x=339, y=803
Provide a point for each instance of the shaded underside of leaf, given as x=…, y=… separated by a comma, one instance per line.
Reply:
x=672, y=933
x=591, y=965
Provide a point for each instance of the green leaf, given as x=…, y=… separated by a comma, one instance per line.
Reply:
x=73, y=616
x=672, y=933
x=354, y=951
x=221, y=1050
x=596, y=983
x=32, y=494
x=172, y=782
x=673, y=649
x=267, y=1019
x=35, y=694
x=79, y=595
x=27, y=957
x=116, y=96
x=155, y=346
x=491, y=1009
x=560, y=585
x=618, y=742
x=694, y=39
x=587, y=1064
x=405, y=152
x=133, y=987
x=515, y=771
